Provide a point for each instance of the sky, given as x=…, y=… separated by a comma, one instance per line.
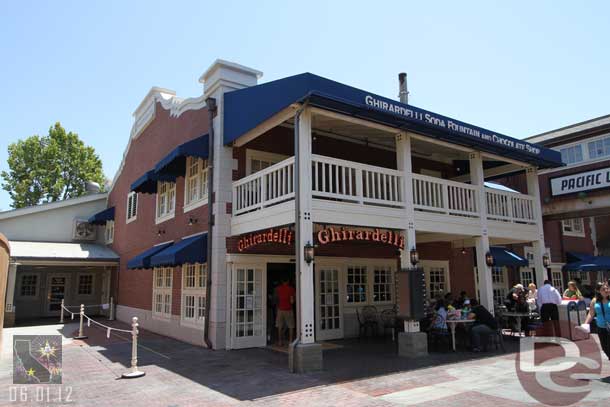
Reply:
x=518, y=68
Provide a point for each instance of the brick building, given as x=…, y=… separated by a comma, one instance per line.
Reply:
x=350, y=195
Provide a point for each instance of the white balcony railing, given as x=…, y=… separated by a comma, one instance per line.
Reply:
x=351, y=182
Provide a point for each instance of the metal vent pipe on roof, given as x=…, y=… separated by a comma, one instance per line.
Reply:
x=403, y=92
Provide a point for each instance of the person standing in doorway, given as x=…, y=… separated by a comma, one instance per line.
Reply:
x=285, y=294
x=548, y=300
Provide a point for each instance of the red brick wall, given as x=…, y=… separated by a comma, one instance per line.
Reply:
x=162, y=135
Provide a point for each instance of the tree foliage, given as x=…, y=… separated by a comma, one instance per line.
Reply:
x=50, y=168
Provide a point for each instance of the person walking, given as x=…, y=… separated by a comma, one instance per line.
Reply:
x=600, y=311
x=285, y=294
x=548, y=300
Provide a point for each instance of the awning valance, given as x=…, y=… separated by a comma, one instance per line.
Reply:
x=572, y=257
x=142, y=260
x=102, y=217
x=190, y=250
x=174, y=164
x=590, y=263
x=147, y=183
x=504, y=257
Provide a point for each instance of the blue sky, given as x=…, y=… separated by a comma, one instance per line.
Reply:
x=518, y=67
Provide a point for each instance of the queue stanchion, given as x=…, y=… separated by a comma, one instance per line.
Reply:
x=61, y=318
x=134, y=372
x=81, y=333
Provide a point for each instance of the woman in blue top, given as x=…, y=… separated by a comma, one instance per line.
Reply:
x=600, y=310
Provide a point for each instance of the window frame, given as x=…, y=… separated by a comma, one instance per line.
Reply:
x=78, y=277
x=433, y=264
x=202, y=171
x=164, y=290
x=109, y=232
x=198, y=292
x=273, y=158
x=131, y=212
x=170, y=195
x=37, y=287
x=369, y=286
x=586, y=156
x=571, y=223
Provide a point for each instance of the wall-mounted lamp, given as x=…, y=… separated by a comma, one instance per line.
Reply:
x=489, y=259
x=308, y=252
x=414, y=256
x=160, y=232
x=546, y=260
x=192, y=221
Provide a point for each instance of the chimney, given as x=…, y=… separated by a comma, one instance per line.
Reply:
x=403, y=92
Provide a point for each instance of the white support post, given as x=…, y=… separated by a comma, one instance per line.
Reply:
x=134, y=371
x=477, y=178
x=81, y=333
x=61, y=318
x=305, y=230
x=111, y=316
x=539, y=248
x=9, y=308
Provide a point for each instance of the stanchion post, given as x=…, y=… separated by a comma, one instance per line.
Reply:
x=81, y=333
x=134, y=372
x=111, y=317
x=61, y=318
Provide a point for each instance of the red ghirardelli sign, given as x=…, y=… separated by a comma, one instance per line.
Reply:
x=282, y=236
x=332, y=235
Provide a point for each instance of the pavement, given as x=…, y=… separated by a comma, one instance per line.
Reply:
x=356, y=373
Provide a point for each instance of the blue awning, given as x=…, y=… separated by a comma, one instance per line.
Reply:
x=142, y=260
x=102, y=217
x=174, y=164
x=245, y=109
x=573, y=257
x=190, y=250
x=590, y=263
x=504, y=257
x=147, y=183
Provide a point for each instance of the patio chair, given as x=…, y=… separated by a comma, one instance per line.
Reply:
x=388, y=320
x=437, y=335
x=497, y=338
x=367, y=319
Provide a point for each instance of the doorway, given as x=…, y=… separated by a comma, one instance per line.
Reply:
x=57, y=287
x=276, y=273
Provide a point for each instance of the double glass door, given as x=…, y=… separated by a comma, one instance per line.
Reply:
x=57, y=287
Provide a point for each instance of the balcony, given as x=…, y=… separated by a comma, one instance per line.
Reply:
x=347, y=192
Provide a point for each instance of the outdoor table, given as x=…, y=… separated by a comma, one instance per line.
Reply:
x=517, y=316
x=453, y=323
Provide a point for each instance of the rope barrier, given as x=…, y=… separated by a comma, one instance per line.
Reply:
x=134, y=371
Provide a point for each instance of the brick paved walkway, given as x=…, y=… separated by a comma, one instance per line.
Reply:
x=357, y=374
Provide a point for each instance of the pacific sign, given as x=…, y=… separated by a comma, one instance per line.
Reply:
x=584, y=181
x=332, y=235
x=448, y=124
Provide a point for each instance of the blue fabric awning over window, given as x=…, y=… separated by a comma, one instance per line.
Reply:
x=504, y=257
x=174, y=164
x=590, y=263
x=572, y=257
x=190, y=250
x=102, y=217
x=147, y=183
x=142, y=260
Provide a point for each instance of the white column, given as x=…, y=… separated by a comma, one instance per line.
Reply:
x=539, y=249
x=10, y=288
x=477, y=178
x=305, y=230
x=403, y=161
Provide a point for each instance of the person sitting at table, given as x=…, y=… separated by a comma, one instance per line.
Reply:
x=459, y=302
x=448, y=300
x=484, y=325
x=532, y=296
x=440, y=316
x=572, y=292
x=514, y=296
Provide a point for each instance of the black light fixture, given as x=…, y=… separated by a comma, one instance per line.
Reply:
x=308, y=252
x=192, y=221
x=414, y=256
x=546, y=260
x=463, y=248
x=489, y=259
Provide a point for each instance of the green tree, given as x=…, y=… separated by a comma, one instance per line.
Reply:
x=50, y=168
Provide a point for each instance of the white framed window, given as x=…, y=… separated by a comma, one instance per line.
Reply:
x=573, y=227
x=357, y=284
x=259, y=160
x=193, y=294
x=162, y=292
x=572, y=154
x=28, y=285
x=166, y=201
x=599, y=148
x=109, y=232
x=132, y=206
x=437, y=277
x=526, y=276
x=195, y=183
x=383, y=284
x=576, y=275
x=499, y=281
x=85, y=286
x=557, y=277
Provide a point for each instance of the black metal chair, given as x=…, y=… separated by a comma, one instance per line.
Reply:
x=388, y=320
x=367, y=319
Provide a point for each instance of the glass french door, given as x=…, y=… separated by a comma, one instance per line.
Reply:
x=328, y=303
x=57, y=287
x=248, y=307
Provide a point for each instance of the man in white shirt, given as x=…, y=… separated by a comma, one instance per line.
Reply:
x=548, y=300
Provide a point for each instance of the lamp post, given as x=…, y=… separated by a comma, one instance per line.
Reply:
x=489, y=259
x=414, y=256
